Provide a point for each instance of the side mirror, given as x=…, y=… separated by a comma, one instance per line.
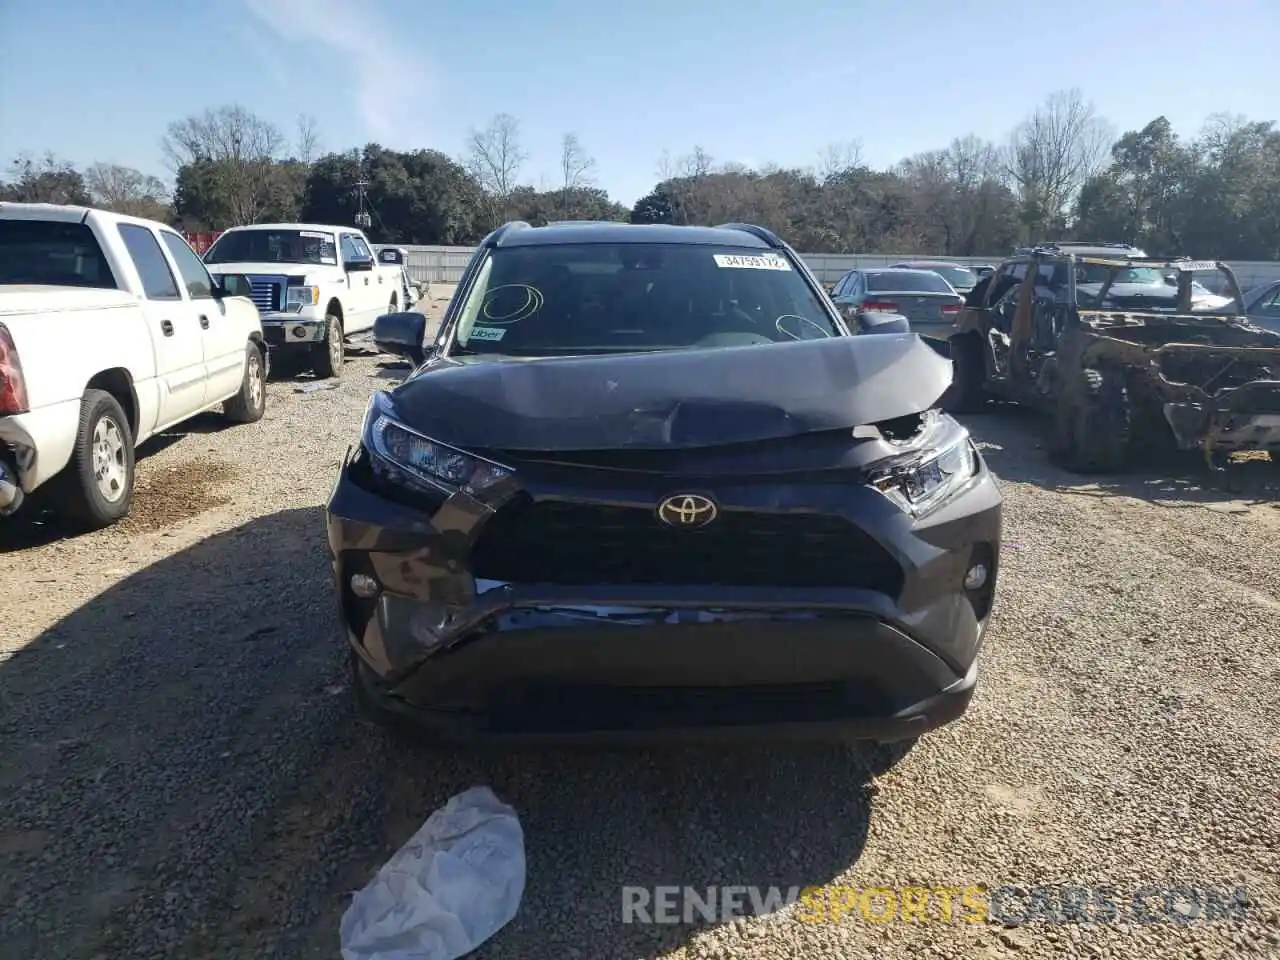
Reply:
x=353, y=266
x=232, y=285
x=402, y=335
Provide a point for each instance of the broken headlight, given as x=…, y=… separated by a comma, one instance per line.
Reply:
x=402, y=455
x=921, y=481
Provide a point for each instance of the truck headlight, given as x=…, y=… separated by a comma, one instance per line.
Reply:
x=402, y=455
x=922, y=481
x=298, y=297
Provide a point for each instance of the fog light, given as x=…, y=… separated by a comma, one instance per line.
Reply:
x=975, y=577
x=364, y=586
x=299, y=332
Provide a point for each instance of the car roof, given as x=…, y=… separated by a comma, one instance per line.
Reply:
x=926, y=264
x=313, y=227
x=895, y=270
x=583, y=231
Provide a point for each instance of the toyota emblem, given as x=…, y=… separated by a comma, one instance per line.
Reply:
x=687, y=511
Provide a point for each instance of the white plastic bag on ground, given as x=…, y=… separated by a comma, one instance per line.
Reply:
x=456, y=883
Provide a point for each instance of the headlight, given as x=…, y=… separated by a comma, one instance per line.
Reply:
x=298, y=297
x=405, y=456
x=920, y=482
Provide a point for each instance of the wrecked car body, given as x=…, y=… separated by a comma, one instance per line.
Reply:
x=1126, y=359
x=739, y=535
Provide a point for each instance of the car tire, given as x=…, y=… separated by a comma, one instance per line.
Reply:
x=1092, y=425
x=250, y=403
x=328, y=356
x=96, y=487
x=967, y=393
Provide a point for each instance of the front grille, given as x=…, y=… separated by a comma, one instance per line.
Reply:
x=267, y=292
x=570, y=543
x=568, y=707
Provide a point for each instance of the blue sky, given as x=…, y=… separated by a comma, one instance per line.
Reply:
x=749, y=83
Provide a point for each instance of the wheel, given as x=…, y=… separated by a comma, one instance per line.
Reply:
x=250, y=403
x=97, y=485
x=967, y=393
x=327, y=356
x=1092, y=424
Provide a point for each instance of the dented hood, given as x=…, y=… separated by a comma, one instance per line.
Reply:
x=672, y=399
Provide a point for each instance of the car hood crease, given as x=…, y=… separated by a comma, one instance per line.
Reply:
x=673, y=399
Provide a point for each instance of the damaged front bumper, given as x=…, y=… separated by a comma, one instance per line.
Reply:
x=469, y=657
x=1233, y=419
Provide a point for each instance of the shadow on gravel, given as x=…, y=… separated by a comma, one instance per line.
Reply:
x=183, y=776
x=289, y=365
x=1015, y=442
x=38, y=524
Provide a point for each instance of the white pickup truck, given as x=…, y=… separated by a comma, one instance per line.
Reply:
x=111, y=330
x=314, y=284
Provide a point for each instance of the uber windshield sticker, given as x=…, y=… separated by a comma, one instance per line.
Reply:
x=487, y=333
x=751, y=263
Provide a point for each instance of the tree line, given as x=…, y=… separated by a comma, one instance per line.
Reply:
x=1061, y=173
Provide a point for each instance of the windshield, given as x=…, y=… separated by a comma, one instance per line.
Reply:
x=273, y=246
x=52, y=252
x=959, y=277
x=1098, y=273
x=907, y=281
x=606, y=298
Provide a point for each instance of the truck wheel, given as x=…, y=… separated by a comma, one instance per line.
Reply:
x=327, y=357
x=1091, y=429
x=97, y=485
x=250, y=403
x=967, y=393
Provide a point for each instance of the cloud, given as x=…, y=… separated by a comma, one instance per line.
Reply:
x=390, y=81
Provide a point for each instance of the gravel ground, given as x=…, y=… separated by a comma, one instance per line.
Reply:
x=181, y=776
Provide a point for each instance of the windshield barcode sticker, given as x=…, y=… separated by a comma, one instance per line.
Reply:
x=315, y=235
x=751, y=263
x=487, y=333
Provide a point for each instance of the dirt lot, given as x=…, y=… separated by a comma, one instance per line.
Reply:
x=181, y=777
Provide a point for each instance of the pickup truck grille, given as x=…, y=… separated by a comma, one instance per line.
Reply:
x=267, y=291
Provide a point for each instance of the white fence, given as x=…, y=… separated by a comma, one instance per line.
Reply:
x=445, y=264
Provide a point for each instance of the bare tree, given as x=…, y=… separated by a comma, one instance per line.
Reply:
x=308, y=145
x=126, y=190
x=1052, y=153
x=696, y=164
x=839, y=157
x=576, y=165
x=240, y=146
x=494, y=155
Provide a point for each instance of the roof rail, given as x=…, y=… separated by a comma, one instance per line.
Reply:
x=495, y=238
x=760, y=233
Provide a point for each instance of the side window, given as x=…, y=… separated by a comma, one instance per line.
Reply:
x=194, y=275
x=153, y=269
x=839, y=288
x=1270, y=305
x=362, y=249
x=349, y=251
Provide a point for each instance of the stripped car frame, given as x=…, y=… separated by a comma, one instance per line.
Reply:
x=1122, y=374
